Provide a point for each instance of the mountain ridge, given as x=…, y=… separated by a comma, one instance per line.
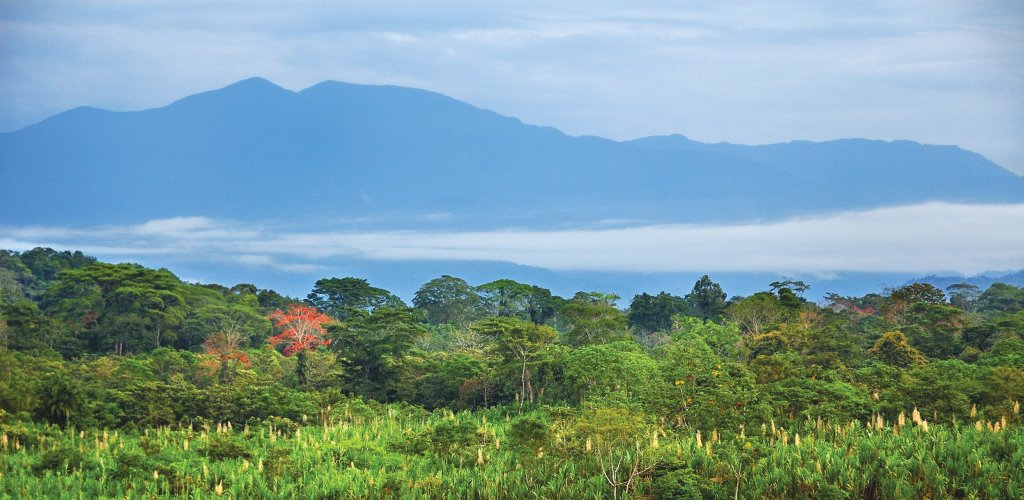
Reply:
x=254, y=149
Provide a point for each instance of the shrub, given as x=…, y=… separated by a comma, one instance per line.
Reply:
x=223, y=447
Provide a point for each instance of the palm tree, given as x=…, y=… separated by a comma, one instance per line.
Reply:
x=61, y=397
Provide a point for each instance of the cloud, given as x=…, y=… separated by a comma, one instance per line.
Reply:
x=924, y=238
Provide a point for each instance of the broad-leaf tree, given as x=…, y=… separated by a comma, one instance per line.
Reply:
x=339, y=297
x=372, y=346
x=707, y=299
x=448, y=300
x=519, y=341
x=302, y=329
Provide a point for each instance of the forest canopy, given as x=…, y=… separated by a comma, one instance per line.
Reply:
x=92, y=345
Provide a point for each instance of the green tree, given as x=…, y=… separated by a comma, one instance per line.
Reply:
x=340, y=297
x=964, y=295
x=653, y=313
x=707, y=299
x=1001, y=298
x=758, y=313
x=372, y=348
x=506, y=298
x=723, y=339
x=521, y=341
x=935, y=329
x=620, y=368
x=893, y=349
x=28, y=328
x=61, y=397
x=448, y=300
x=119, y=307
x=901, y=300
x=985, y=334
x=591, y=322
x=541, y=305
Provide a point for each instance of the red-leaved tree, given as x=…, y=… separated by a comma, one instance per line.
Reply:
x=302, y=329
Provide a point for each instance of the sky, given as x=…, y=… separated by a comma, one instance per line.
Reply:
x=937, y=72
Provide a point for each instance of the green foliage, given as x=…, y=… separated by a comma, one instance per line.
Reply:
x=372, y=349
x=224, y=447
x=622, y=368
x=678, y=484
x=60, y=397
x=653, y=313
x=505, y=298
x=342, y=297
x=129, y=363
x=451, y=436
x=1001, y=298
x=591, y=322
x=758, y=313
x=893, y=349
x=707, y=299
x=723, y=339
x=530, y=433
x=520, y=342
x=448, y=300
x=62, y=461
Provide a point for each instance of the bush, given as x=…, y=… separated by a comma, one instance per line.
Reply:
x=450, y=436
x=528, y=433
x=680, y=484
x=62, y=460
x=223, y=447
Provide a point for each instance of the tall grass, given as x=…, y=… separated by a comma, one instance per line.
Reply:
x=398, y=451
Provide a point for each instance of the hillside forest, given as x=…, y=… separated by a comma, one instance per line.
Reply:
x=116, y=379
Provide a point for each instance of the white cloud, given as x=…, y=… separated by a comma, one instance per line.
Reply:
x=925, y=238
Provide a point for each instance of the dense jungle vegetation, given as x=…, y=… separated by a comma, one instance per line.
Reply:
x=120, y=380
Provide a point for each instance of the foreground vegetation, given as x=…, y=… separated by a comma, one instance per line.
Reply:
x=383, y=451
x=119, y=379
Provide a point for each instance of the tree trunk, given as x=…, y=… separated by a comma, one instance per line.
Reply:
x=522, y=398
x=300, y=368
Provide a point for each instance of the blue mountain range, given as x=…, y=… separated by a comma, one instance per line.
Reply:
x=375, y=157
x=404, y=157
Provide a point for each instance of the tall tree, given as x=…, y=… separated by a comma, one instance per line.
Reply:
x=506, y=298
x=521, y=341
x=901, y=300
x=226, y=346
x=448, y=300
x=592, y=321
x=653, y=313
x=339, y=297
x=302, y=329
x=893, y=349
x=964, y=295
x=707, y=299
x=372, y=348
x=757, y=313
x=1001, y=297
x=541, y=305
x=98, y=298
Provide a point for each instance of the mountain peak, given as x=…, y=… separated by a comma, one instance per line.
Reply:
x=253, y=90
x=254, y=83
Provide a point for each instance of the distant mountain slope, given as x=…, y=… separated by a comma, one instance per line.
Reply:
x=980, y=281
x=404, y=157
